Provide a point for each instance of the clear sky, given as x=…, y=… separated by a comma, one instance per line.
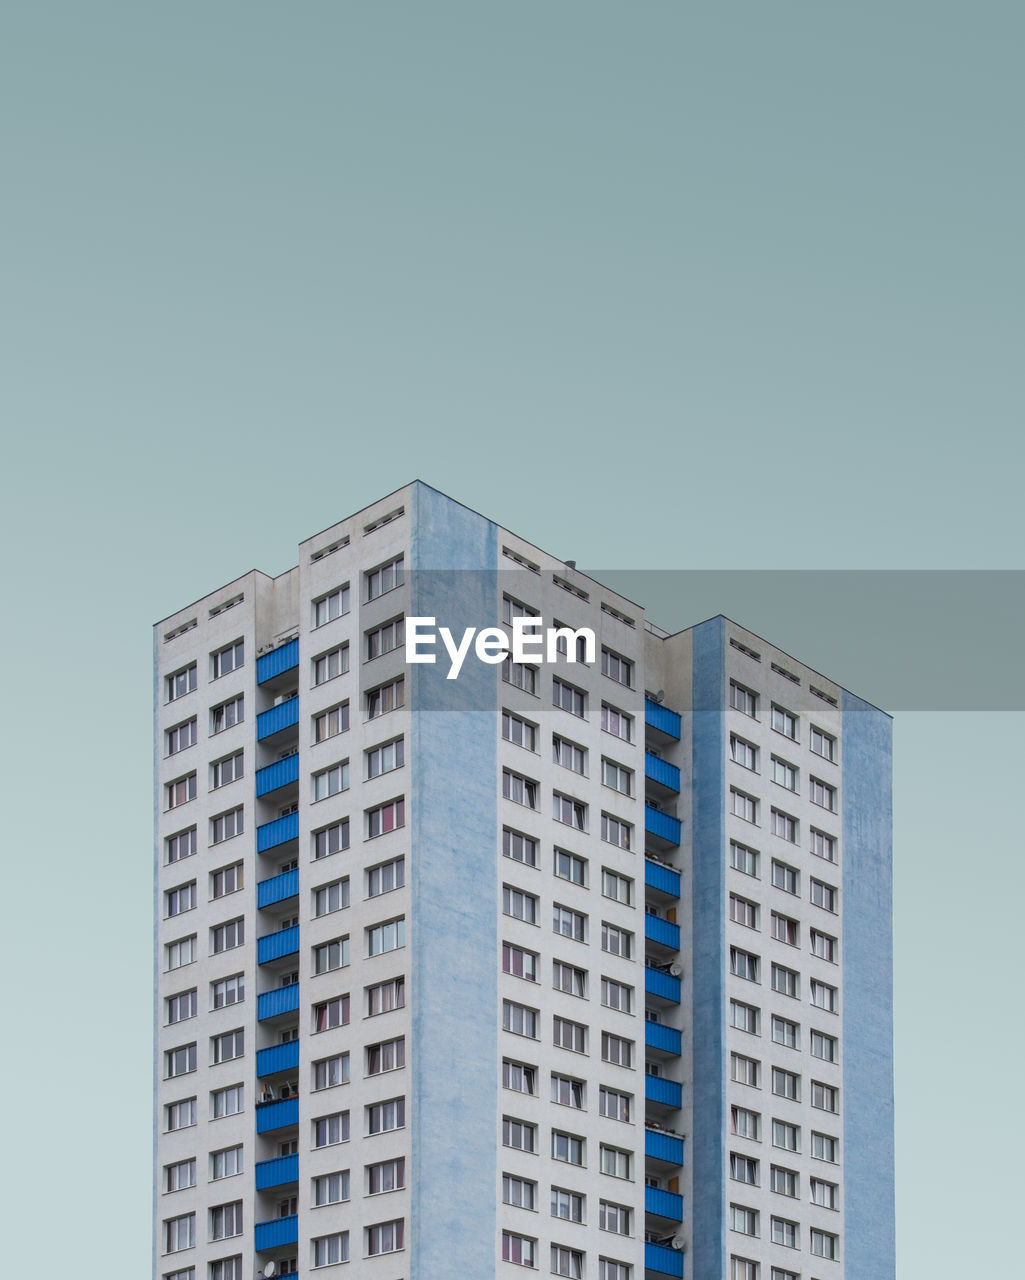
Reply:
x=659, y=285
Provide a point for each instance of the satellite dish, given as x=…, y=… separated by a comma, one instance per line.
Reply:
x=271, y=1269
x=660, y=696
x=676, y=970
x=677, y=1242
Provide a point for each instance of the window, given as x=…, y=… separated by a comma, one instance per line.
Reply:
x=227, y=1102
x=568, y=754
x=331, y=955
x=745, y=1123
x=385, y=758
x=326, y=666
x=384, y=1237
x=785, y=1032
x=569, y=1035
x=824, y=1147
x=616, y=941
x=786, y=1136
x=385, y=698
x=785, y=877
x=328, y=1014
x=330, y=723
x=784, y=1182
x=743, y=752
x=786, y=981
x=785, y=930
x=519, y=1077
x=182, y=845
x=786, y=1084
x=567, y=1092
x=331, y=897
x=519, y=1135
x=743, y=806
x=332, y=1129
x=610, y=1270
x=823, y=895
x=744, y=912
x=616, y=668
x=226, y=825
x=568, y=978
x=328, y=782
x=385, y=639
x=180, y=792
x=744, y=1169
x=823, y=996
x=616, y=831
x=617, y=777
x=823, y=846
x=186, y=1273
x=616, y=995
x=568, y=1147
x=569, y=811
x=388, y=1055
x=614, y=1217
x=745, y=1017
x=333, y=605
x=824, y=1244
x=743, y=858
x=183, y=898
x=388, y=1175
x=180, y=1115
x=823, y=946
x=823, y=744
x=784, y=774
x=745, y=1070
x=519, y=1019
x=225, y=937
x=823, y=1046
x=518, y=789
x=179, y=1233
x=230, y=658
x=180, y=737
x=518, y=1249
x=568, y=866
x=784, y=1233
x=331, y=1188
x=512, y=608
x=177, y=1177
x=386, y=877
x=784, y=722
x=743, y=964
x=226, y=880
x=227, y=991
x=614, y=1104
x=569, y=923
x=567, y=1262
x=825, y=1194
x=519, y=847
x=784, y=826
x=518, y=731
x=568, y=697
x=618, y=888
x=780, y=1273
x=616, y=1049
x=615, y=1162
x=743, y=1269
x=180, y=1061
x=332, y=839
x=825, y=1097
x=743, y=1220
x=743, y=699
x=180, y=1006
x=385, y=578
x=181, y=952
x=520, y=676
x=384, y=996
x=519, y=905
x=227, y=770
x=231, y=1044
x=519, y=1192
x=616, y=722
x=181, y=682
x=328, y=1072
x=327, y=1250
x=227, y=714
x=822, y=794
x=518, y=962
x=385, y=818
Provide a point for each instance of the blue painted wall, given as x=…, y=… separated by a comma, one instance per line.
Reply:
x=867, y=1010
x=708, y=964
x=454, y=929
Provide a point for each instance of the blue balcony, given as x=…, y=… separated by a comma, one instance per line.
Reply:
x=661, y=772
x=662, y=986
x=662, y=828
x=661, y=879
x=277, y=1115
x=279, y=774
x=662, y=1039
x=663, y=1260
x=664, y=1204
x=274, y=720
x=273, y=946
x=663, y=1093
x=277, y=1173
x=284, y=658
x=277, y=1002
x=280, y=831
x=662, y=932
x=276, y=1232
x=661, y=719
x=278, y=888
x=666, y=1148
x=279, y=1057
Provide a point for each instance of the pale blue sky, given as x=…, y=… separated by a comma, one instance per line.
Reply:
x=662, y=285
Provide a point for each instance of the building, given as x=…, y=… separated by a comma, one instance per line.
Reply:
x=578, y=966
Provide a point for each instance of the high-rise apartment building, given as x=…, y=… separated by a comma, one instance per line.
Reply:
x=575, y=966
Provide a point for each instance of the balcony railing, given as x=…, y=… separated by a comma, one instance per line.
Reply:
x=661, y=771
x=666, y=1147
x=277, y=1173
x=665, y=1093
x=662, y=1039
x=278, y=888
x=281, y=1000
x=278, y=774
x=660, y=825
x=273, y=720
x=277, y=1115
x=664, y=932
x=278, y=1057
x=663, y=986
x=666, y=1204
x=275, y=1233
x=661, y=719
x=272, y=946
x=661, y=878
x=280, y=831
x=660, y=1258
x=278, y=661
